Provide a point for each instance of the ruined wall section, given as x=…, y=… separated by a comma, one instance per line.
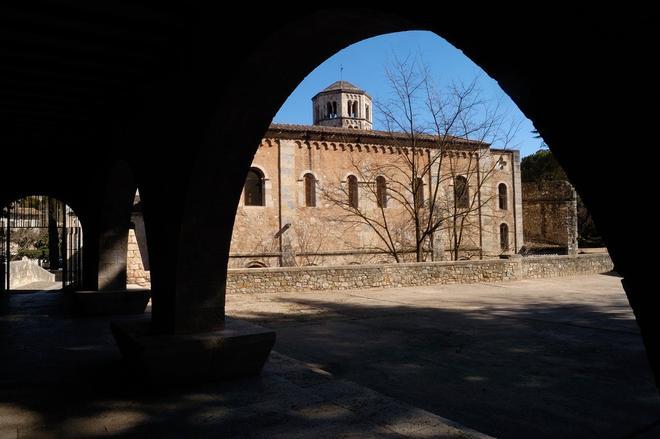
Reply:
x=550, y=213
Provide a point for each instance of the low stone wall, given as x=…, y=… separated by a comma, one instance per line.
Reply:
x=26, y=271
x=273, y=280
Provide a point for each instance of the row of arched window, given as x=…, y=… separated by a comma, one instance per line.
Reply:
x=254, y=191
x=331, y=111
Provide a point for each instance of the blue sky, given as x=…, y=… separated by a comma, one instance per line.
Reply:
x=364, y=64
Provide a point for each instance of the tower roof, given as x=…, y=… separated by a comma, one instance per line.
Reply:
x=341, y=86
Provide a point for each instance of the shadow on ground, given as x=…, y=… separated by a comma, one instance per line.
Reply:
x=542, y=369
x=63, y=377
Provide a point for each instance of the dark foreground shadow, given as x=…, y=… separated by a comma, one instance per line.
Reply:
x=542, y=370
x=571, y=371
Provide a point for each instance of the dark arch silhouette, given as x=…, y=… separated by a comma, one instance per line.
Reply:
x=529, y=84
x=184, y=99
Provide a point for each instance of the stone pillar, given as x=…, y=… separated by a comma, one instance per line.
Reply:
x=114, y=223
x=517, y=202
x=438, y=236
x=113, y=248
x=487, y=213
x=288, y=199
x=572, y=225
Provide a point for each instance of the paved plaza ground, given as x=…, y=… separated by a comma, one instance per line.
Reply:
x=551, y=358
x=558, y=358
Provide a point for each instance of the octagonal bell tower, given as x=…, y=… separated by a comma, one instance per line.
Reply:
x=343, y=105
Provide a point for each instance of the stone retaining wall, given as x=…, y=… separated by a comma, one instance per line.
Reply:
x=26, y=271
x=273, y=280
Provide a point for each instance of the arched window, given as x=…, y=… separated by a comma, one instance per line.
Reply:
x=381, y=191
x=366, y=112
x=419, y=192
x=334, y=109
x=310, y=190
x=503, y=196
x=254, y=188
x=350, y=108
x=355, y=109
x=328, y=111
x=461, y=192
x=504, y=237
x=353, y=191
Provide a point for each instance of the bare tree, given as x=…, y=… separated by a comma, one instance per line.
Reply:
x=307, y=242
x=440, y=162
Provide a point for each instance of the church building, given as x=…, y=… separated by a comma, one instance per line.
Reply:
x=338, y=192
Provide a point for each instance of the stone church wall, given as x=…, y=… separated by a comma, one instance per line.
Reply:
x=321, y=236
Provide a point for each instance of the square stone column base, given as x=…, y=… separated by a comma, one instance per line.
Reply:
x=239, y=349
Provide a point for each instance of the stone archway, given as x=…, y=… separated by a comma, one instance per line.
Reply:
x=41, y=244
x=540, y=87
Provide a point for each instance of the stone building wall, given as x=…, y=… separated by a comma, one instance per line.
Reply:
x=135, y=272
x=550, y=213
x=274, y=280
x=321, y=235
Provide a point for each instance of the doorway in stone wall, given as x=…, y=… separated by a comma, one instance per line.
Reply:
x=41, y=245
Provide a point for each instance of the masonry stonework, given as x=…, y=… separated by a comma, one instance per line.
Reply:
x=297, y=279
x=285, y=231
x=550, y=212
x=135, y=272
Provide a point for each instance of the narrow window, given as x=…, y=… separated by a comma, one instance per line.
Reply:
x=504, y=237
x=310, y=190
x=366, y=112
x=350, y=108
x=503, y=196
x=334, y=109
x=328, y=111
x=355, y=109
x=381, y=191
x=461, y=192
x=353, y=191
x=254, y=188
x=419, y=192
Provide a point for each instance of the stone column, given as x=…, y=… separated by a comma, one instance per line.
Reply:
x=288, y=198
x=517, y=202
x=438, y=236
x=114, y=223
x=572, y=224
